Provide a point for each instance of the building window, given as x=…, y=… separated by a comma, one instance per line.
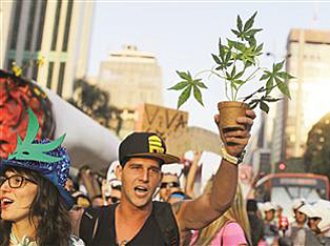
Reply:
x=67, y=26
x=56, y=24
x=29, y=30
x=35, y=71
x=15, y=29
x=61, y=79
x=50, y=74
x=9, y=64
x=25, y=68
x=41, y=24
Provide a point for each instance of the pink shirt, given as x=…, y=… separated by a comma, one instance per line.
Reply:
x=232, y=235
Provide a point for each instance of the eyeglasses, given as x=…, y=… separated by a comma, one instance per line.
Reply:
x=76, y=208
x=15, y=181
x=116, y=187
x=113, y=199
x=169, y=185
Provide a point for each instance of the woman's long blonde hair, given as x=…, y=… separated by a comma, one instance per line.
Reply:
x=237, y=213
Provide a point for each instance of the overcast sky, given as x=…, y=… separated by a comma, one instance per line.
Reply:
x=182, y=35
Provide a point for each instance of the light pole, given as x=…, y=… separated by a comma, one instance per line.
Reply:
x=277, y=125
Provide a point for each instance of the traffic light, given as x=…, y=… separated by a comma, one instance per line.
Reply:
x=281, y=166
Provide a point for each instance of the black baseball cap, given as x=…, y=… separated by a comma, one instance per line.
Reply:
x=145, y=144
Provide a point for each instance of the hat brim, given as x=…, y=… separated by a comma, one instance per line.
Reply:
x=165, y=158
x=268, y=207
x=14, y=163
x=309, y=211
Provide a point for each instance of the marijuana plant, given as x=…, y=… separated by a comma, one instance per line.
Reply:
x=237, y=64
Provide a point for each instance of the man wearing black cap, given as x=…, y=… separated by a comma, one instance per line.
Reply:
x=137, y=220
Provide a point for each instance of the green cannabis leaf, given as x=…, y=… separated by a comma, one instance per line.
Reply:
x=237, y=64
x=187, y=84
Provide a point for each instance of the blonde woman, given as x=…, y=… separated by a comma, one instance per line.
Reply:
x=232, y=228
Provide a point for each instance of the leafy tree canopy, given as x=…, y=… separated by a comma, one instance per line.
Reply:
x=95, y=102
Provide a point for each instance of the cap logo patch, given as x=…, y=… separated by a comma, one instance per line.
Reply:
x=155, y=145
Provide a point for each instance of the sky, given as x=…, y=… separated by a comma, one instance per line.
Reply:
x=183, y=34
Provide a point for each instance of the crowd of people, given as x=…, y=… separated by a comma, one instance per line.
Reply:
x=309, y=225
x=140, y=202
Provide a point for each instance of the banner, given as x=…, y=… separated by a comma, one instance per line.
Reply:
x=170, y=124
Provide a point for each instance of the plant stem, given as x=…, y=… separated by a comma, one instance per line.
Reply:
x=252, y=74
x=248, y=79
x=210, y=71
x=260, y=90
x=232, y=92
x=226, y=83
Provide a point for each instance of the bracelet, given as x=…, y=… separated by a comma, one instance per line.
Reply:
x=232, y=159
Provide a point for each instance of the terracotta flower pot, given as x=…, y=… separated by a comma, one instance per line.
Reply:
x=229, y=111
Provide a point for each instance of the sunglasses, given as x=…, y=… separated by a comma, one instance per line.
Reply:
x=313, y=218
x=15, y=181
x=169, y=185
x=116, y=187
x=113, y=199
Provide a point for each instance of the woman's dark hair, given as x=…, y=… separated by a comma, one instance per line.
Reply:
x=54, y=227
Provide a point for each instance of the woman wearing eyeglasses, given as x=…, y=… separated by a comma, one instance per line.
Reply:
x=34, y=204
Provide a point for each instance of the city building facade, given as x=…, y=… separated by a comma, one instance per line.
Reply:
x=50, y=41
x=5, y=14
x=131, y=77
x=308, y=60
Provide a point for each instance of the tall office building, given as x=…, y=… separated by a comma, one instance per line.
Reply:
x=278, y=135
x=261, y=155
x=309, y=61
x=56, y=31
x=5, y=14
x=132, y=77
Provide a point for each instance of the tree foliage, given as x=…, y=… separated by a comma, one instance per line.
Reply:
x=95, y=102
x=317, y=155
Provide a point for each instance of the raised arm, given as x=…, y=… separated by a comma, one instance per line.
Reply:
x=189, y=188
x=200, y=212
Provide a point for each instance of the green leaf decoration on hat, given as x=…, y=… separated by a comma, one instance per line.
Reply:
x=27, y=150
